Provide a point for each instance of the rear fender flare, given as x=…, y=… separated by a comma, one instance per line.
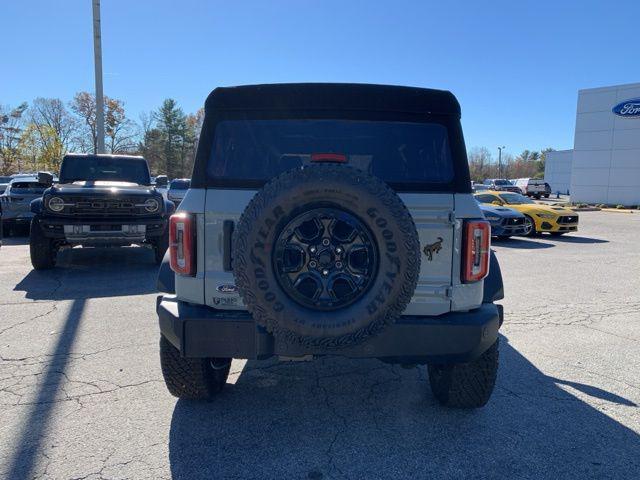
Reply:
x=493, y=286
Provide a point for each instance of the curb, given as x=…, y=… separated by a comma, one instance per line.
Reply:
x=617, y=210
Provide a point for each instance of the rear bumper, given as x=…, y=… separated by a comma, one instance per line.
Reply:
x=200, y=331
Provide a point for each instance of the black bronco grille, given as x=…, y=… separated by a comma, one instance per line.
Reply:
x=100, y=206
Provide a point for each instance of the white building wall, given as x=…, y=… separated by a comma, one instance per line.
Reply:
x=606, y=153
x=557, y=170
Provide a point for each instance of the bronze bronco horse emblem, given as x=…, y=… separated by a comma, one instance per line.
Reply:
x=432, y=248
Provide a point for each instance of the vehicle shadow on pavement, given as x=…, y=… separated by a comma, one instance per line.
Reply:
x=521, y=243
x=28, y=443
x=14, y=241
x=93, y=273
x=337, y=418
x=574, y=239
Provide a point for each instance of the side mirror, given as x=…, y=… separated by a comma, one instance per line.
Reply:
x=45, y=178
x=161, y=181
x=497, y=202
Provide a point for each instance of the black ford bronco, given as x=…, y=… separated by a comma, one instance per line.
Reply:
x=331, y=219
x=99, y=200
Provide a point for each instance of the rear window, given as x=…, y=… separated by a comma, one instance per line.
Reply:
x=398, y=152
x=28, y=187
x=180, y=184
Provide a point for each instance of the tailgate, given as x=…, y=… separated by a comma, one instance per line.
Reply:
x=434, y=219
x=432, y=214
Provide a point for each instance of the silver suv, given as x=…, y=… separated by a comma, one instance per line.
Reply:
x=331, y=219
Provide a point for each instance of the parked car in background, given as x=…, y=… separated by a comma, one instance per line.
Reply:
x=100, y=200
x=505, y=222
x=531, y=187
x=4, y=182
x=538, y=218
x=15, y=201
x=478, y=187
x=501, y=184
x=178, y=189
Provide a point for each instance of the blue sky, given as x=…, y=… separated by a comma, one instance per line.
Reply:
x=515, y=66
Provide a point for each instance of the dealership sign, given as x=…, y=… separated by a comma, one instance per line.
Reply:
x=628, y=108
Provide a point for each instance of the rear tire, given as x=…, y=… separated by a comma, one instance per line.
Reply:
x=504, y=237
x=42, y=249
x=466, y=385
x=192, y=378
x=557, y=234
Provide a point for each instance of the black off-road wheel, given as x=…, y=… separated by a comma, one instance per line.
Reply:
x=466, y=385
x=42, y=249
x=326, y=256
x=192, y=378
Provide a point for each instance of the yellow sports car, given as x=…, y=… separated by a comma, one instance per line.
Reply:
x=538, y=218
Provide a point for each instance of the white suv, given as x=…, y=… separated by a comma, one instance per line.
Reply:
x=331, y=219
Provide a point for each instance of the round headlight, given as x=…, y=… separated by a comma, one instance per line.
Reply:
x=55, y=204
x=151, y=205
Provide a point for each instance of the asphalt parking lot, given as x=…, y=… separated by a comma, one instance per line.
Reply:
x=82, y=393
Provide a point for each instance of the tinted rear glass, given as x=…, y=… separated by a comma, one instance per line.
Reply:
x=398, y=152
x=28, y=187
x=108, y=169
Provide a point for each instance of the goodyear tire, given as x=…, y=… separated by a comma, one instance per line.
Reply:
x=326, y=256
x=192, y=378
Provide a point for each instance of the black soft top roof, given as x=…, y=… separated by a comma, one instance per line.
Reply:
x=333, y=96
x=80, y=156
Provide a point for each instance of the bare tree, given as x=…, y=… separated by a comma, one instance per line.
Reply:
x=11, y=122
x=52, y=114
x=120, y=131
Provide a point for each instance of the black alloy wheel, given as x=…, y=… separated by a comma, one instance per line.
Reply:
x=325, y=258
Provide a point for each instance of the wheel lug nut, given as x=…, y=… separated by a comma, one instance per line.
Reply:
x=313, y=264
x=325, y=242
x=338, y=264
x=325, y=272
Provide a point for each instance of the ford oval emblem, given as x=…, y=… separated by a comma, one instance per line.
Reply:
x=227, y=288
x=628, y=108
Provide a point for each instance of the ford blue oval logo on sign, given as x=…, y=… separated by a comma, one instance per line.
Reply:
x=628, y=108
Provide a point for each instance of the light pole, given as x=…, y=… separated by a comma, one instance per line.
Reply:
x=500, y=161
x=97, y=57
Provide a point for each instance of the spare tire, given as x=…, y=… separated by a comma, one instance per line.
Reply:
x=326, y=256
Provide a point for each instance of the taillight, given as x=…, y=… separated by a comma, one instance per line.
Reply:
x=182, y=243
x=477, y=244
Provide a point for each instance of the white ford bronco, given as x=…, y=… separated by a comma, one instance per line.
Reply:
x=331, y=219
